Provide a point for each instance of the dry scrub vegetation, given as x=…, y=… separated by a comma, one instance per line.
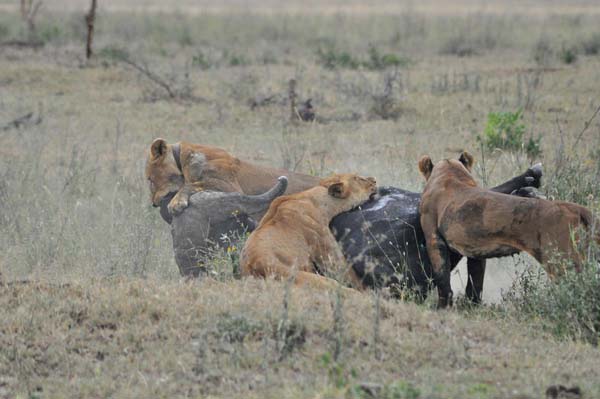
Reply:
x=90, y=300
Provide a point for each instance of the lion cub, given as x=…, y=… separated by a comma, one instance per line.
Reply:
x=458, y=215
x=293, y=238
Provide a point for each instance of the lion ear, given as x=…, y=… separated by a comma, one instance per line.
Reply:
x=158, y=148
x=338, y=190
x=425, y=166
x=467, y=160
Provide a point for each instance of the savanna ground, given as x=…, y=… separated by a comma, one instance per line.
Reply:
x=90, y=299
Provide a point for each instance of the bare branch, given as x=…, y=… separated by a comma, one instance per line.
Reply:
x=585, y=127
x=151, y=76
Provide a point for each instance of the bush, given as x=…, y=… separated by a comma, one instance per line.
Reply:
x=569, y=307
x=201, y=61
x=383, y=61
x=238, y=60
x=332, y=59
x=568, y=55
x=505, y=130
x=591, y=45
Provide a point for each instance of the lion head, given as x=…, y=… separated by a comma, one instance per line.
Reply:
x=164, y=176
x=350, y=187
x=464, y=162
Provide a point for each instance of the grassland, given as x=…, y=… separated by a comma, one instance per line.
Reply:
x=104, y=312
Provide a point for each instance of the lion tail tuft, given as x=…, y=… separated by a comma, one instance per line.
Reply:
x=590, y=222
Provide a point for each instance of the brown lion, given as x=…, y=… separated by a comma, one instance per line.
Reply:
x=185, y=168
x=293, y=238
x=478, y=223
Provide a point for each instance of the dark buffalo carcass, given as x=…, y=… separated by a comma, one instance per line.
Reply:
x=382, y=239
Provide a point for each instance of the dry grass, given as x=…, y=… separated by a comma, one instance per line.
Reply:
x=75, y=209
x=151, y=338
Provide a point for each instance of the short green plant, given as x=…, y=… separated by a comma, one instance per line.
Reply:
x=401, y=390
x=201, y=61
x=377, y=60
x=236, y=328
x=506, y=131
x=238, y=60
x=568, y=54
x=332, y=59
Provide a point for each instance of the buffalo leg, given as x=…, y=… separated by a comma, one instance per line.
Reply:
x=476, y=273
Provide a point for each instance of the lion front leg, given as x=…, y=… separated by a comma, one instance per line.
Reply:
x=333, y=263
x=181, y=200
x=439, y=256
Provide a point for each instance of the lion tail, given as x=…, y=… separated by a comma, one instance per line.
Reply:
x=590, y=222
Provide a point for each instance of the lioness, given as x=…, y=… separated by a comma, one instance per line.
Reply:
x=186, y=168
x=457, y=215
x=293, y=238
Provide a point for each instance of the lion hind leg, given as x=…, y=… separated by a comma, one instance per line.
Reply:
x=330, y=257
x=439, y=256
x=305, y=279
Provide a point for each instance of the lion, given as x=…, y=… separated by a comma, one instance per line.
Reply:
x=185, y=168
x=293, y=238
x=457, y=215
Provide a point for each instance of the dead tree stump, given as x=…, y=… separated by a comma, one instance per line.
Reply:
x=90, y=17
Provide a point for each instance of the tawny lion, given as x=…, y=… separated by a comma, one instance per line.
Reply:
x=293, y=238
x=478, y=223
x=182, y=169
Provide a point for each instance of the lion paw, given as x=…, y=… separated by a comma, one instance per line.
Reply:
x=176, y=206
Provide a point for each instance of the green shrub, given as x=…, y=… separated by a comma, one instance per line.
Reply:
x=591, y=45
x=201, y=61
x=568, y=54
x=383, y=61
x=401, y=390
x=238, y=60
x=332, y=59
x=506, y=131
x=533, y=147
